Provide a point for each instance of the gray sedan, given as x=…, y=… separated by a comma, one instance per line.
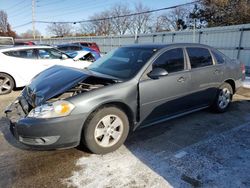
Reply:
x=132, y=86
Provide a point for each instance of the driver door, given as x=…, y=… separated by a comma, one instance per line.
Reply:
x=168, y=95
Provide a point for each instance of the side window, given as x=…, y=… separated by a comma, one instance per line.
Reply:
x=199, y=57
x=171, y=60
x=219, y=57
x=49, y=54
x=43, y=54
x=28, y=54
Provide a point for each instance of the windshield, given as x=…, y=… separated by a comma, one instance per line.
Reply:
x=123, y=63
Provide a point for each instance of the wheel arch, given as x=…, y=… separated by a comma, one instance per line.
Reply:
x=122, y=106
x=232, y=84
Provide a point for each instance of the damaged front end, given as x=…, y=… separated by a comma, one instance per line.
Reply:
x=44, y=100
x=56, y=83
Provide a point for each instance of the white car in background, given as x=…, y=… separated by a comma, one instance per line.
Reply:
x=18, y=65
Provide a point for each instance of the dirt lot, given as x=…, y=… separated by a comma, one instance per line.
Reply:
x=202, y=149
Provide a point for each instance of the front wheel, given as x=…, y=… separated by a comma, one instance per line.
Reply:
x=106, y=130
x=223, y=98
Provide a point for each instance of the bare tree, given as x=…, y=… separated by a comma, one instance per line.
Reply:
x=161, y=24
x=86, y=29
x=60, y=29
x=175, y=19
x=101, y=23
x=3, y=22
x=141, y=23
x=120, y=24
x=29, y=34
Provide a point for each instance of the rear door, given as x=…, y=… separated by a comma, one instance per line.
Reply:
x=166, y=96
x=205, y=75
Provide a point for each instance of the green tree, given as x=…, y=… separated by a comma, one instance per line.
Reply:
x=224, y=12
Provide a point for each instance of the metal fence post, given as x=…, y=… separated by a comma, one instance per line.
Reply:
x=104, y=45
x=199, y=39
x=240, y=42
x=111, y=43
x=173, y=35
x=162, y=38
x=154, y=38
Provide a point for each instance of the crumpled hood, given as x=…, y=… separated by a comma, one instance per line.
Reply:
x=52, y=82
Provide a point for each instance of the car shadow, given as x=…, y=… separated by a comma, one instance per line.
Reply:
x=18, y=89
x=154, y=145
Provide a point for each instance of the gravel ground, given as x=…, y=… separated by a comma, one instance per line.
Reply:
x=198, y=150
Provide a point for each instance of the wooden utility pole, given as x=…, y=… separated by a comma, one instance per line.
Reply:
x=33, y=19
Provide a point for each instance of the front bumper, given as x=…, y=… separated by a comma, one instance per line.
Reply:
x=50, y=133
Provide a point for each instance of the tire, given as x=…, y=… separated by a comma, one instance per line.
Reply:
x=223, y=98
x=106, y=130
x=6, y=83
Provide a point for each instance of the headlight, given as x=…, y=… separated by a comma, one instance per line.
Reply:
x=56, y=109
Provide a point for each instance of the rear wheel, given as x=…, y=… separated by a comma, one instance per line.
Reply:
x=106, y=130
x=224, y=98
x=6, y=83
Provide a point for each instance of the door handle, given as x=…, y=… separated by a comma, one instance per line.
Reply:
x=216, y=71
x=181, y=79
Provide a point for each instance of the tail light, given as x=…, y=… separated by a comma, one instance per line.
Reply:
x=243, y=71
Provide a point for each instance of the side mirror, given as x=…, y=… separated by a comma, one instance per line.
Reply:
x=157, y=72
x=64, y=57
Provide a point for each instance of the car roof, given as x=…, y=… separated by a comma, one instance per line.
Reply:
x=160, y=46
x=24, y=48
x=84, y=42
x=65, y=45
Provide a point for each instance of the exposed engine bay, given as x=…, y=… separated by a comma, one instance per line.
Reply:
x=60, y=82
x=89, y=84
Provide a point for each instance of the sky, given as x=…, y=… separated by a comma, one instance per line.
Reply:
x=20, y=11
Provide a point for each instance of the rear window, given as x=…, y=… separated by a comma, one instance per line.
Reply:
x=74, y=48
x=69, y=48
x=220, y=59
x=199, y=57
x=84, y=44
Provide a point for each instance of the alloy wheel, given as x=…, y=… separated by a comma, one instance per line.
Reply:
x=108, y=131
x=224, y=98
x=5, y=84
